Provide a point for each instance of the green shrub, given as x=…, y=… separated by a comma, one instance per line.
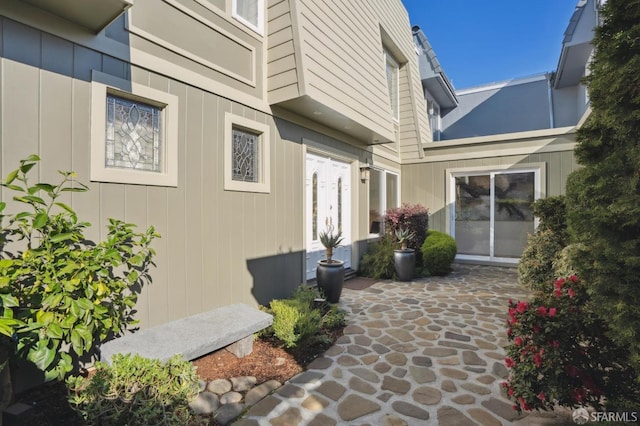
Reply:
x=61, y=293
x=301, y=320
x=603, y=196
x=294, y=320
x=536, y=267
x=438, y=253
x=378, y=262
x=552, y=213
x=559, y=354
x=136, y=391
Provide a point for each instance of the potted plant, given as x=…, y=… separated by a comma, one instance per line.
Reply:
x=404, y=259
x=330, y=272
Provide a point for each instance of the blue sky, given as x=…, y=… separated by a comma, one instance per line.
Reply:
x=480, y=42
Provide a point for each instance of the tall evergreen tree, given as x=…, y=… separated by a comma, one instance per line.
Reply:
x=603, y=198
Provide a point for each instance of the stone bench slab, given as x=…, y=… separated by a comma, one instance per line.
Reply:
x=192, y=336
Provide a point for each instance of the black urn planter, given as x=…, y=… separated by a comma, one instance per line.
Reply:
x=405, y=263
x=330, y=278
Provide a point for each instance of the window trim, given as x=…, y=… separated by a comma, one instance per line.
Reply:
x=383, y=197
x=264, y=167
x=168, y=104
x=260, y=27
x=390, y=60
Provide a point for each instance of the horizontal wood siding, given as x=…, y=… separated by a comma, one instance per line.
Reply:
x=342, y=60
x=425, y=183
x=414, y=125
x=217, y=247
x=282, y=76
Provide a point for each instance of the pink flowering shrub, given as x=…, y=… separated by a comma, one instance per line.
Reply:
x=559, y=353
x=414, y=218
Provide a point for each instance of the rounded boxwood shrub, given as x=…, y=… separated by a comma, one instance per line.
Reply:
x=438, y=252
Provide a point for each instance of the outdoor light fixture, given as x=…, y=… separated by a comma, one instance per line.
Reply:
x=364, y=171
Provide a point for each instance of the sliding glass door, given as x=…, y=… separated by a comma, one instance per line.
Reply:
x=492, y=214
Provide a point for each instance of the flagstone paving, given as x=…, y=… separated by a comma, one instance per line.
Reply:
x=424, y=352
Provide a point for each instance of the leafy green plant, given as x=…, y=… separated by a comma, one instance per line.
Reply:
x=330, y=240
x=438, y=253
x=559, y=354
x=61, y=293
x=404, y=236
x=302, y=319
x=603, y=196
x=378, y=262
x=136, y=391
x=536, y=267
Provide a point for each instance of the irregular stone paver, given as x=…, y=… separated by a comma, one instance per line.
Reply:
x=410, y=410
x=259, y=392
x=426, y=395
x=449, y=416
x=355, y=406
x=425, y=352
x=315, y=403
x=332, y=390
x=219, y=386
x=290, y=417
x=483, y=417
x=244, y=383
x=361, y=386
x=205, y=403
x=322, y=420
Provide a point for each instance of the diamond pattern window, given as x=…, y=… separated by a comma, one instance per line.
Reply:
x=245, y=153
x=133, y=135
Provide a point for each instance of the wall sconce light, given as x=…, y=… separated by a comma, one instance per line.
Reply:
x=364, y=171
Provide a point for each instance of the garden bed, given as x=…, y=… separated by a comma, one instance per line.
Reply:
x=269, y=360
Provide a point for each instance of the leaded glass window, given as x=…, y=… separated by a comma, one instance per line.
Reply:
x=245, y=156
x=339, y=204
x=133, y=135
x=314, y=202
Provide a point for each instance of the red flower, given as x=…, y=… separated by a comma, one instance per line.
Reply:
x=537, y=359
x=510, y=392
x=559, y=283
x=522, y=307
x=518, y=341
x=509, y=362
x=509, y=331
x=555, y=344
x=542, y=311
x=542, y=397
x=557, y=293
x=510, y=301
x=536, y=329
x=552, y=312
x=577, y=394
x=570, y=292
x=573, y=278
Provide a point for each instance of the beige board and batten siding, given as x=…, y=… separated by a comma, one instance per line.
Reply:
x=214, y=243
x=425, y=182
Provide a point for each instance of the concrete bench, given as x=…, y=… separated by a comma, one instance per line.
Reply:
x=230, y=326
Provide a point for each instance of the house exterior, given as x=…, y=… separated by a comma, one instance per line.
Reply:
x=498, y=147
x=239, y=129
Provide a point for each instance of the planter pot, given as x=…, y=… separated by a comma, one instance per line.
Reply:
x=405, y=263
x=330, y=278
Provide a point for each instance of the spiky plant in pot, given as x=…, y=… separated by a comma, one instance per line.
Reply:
x=330, y=240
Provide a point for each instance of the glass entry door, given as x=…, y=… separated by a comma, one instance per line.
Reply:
x=492, y=214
